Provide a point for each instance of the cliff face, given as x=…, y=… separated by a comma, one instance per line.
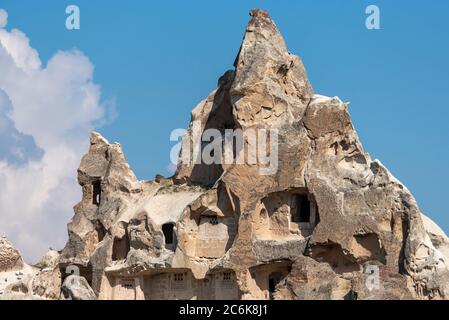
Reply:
x=322, y=220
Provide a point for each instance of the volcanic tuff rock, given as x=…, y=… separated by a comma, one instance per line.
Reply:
x=10, y=258
x=20, y=281
x=320, y=227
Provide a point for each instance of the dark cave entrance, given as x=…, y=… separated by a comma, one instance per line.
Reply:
x=302, y=212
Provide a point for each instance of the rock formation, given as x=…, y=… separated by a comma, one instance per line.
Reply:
x=328, y=223
x=10, y=258
x=20, y=281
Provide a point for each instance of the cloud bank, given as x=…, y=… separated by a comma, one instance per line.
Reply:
x=46, y=116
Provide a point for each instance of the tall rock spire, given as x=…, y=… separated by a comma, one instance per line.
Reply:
x=270, y=85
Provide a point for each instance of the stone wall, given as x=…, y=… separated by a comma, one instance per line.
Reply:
x=176, y=285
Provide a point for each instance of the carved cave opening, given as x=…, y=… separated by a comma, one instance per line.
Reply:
x=301, y=208
x=120, y=248
x=100, y=229
x=96, y=192
x=284, y=213
x=266, y=277
x=168, y=230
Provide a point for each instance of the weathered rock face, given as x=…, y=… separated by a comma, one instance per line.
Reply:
x=10, y=258
x=328, y=223
x=15, y=275
x=47, y=282
x=20, y=281
x=270, y=85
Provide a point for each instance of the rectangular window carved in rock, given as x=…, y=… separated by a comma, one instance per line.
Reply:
x=179, y=282
x=96, y=192
x=128, y=285
x=179, y=277
x=213, y=220
x=227, y=276
x=168, y=230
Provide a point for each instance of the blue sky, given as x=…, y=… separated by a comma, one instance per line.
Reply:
x=157, y=60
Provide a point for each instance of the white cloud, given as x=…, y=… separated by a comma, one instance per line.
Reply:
x=49, y=109
x=3, y=18
x=15, y=147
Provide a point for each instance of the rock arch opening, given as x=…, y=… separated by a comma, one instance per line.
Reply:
x=266, y=278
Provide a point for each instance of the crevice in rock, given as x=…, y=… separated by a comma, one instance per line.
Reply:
x=220, y=118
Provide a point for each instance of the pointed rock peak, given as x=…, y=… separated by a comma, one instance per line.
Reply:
x=266, y=72
x=262, y=39
x=97, y=138
x=260, y=19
